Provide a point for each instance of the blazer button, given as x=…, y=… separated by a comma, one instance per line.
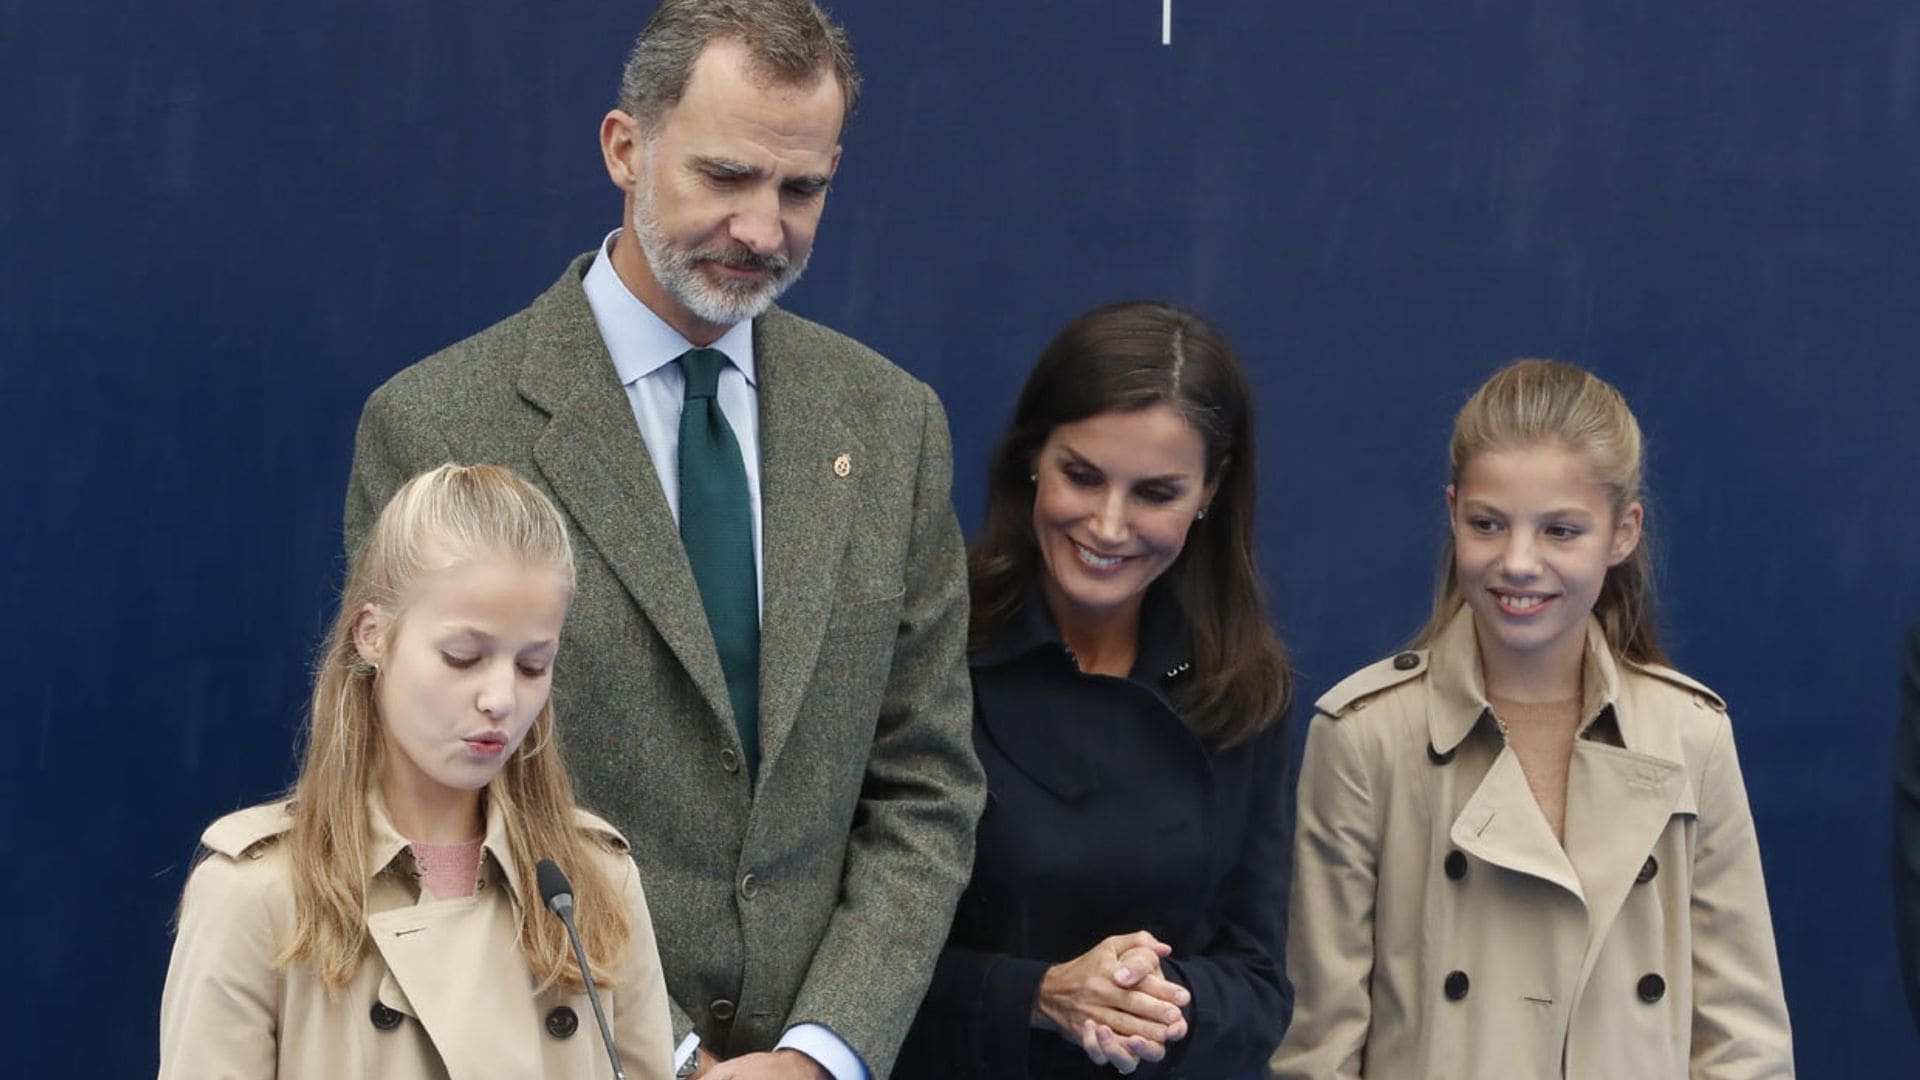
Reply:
x=748, y=887
x=1647, y=870
x=562, y=1022
x=1456, y=865
x=1438, y=758
x=730, y=760
x=383, y=1018
x=721, y=1008
x=1456, y=985
x=1406, y=661
x=1652, y=988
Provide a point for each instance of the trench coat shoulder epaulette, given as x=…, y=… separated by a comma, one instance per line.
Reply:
x=1373, y=679
x=597, y=827
x=1690, y=687
x=249, y=830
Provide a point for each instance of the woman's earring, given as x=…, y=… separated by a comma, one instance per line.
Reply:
x=1201, y=516
x=1033, y=478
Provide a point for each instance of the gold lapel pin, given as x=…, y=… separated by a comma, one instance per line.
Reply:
x=843, y=466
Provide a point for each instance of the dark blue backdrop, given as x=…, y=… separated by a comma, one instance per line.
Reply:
x=220, y=226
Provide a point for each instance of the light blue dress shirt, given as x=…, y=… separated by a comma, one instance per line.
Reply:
x=644, y=349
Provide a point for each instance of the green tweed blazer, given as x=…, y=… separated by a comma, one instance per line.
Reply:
x=825, y=895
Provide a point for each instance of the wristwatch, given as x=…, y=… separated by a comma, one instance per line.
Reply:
x=689, y=1054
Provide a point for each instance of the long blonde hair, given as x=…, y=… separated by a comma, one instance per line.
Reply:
x=445, y=517
x=1536, y=402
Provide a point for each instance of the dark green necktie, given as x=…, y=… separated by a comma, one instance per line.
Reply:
x=716, y=525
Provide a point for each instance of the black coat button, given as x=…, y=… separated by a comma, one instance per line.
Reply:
x=721, y=1008
x=1406, y=661
x=1652, y=988
x=1437, y=757
x=383, y=1018
x=1456, y=865
x=1647, y=870
x=1456, y=985
x=562, y=1022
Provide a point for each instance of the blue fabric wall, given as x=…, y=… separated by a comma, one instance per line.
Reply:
x=222, y=225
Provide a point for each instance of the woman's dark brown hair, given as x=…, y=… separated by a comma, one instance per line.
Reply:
x=1123, y=358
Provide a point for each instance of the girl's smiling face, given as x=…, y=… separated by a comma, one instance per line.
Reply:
x=1534, y=536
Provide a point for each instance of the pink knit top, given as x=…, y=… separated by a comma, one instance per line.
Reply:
x=448, y=871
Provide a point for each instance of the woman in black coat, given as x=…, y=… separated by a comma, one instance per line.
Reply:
x=1130, y=877
x=1906, y=824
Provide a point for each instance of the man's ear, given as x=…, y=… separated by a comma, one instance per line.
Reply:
x=370, y=635
x=622, y=144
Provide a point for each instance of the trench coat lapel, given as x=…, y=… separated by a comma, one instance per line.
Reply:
x=806, y=444
x=1503, y=825
x=456, y=965
x=1618, y=804
x=1620, y=799
x=596, y=464
x=459, y=967
x=1501, y=822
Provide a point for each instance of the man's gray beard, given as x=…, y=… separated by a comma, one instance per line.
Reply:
x=678, y=272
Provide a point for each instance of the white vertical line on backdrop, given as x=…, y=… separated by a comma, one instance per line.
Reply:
x=1166, y=22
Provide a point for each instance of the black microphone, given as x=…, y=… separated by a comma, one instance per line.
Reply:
x=557, y=894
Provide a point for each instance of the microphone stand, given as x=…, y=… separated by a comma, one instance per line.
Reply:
x=558, y=894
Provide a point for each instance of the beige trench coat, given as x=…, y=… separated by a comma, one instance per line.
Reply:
x=1441, y=932
x=443, y=993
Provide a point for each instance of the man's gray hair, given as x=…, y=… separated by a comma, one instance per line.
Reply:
x=788, y=41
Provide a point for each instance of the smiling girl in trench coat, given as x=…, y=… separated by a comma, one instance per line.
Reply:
x=1524, y=848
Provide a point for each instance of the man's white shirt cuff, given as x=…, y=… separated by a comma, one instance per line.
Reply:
x=818, y=1042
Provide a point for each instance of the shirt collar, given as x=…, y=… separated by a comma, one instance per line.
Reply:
x=1460, y=693
x=640, y=341
x=1165, y=650
x=386, y=845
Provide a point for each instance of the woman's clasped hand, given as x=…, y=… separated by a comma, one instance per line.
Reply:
x=1114, y=1001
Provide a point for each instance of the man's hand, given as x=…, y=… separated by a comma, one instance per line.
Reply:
x=779, y=1065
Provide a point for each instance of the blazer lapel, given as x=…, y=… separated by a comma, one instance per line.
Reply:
x=806, y=506
x=596, y=464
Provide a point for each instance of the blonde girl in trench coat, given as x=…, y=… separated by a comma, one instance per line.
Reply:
x=384, y=922
x=1523, y=847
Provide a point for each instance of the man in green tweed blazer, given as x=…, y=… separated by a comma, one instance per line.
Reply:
x=801, y=887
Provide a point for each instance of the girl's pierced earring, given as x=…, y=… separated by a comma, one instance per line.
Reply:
x=1202, y=515
x=1033, y=478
